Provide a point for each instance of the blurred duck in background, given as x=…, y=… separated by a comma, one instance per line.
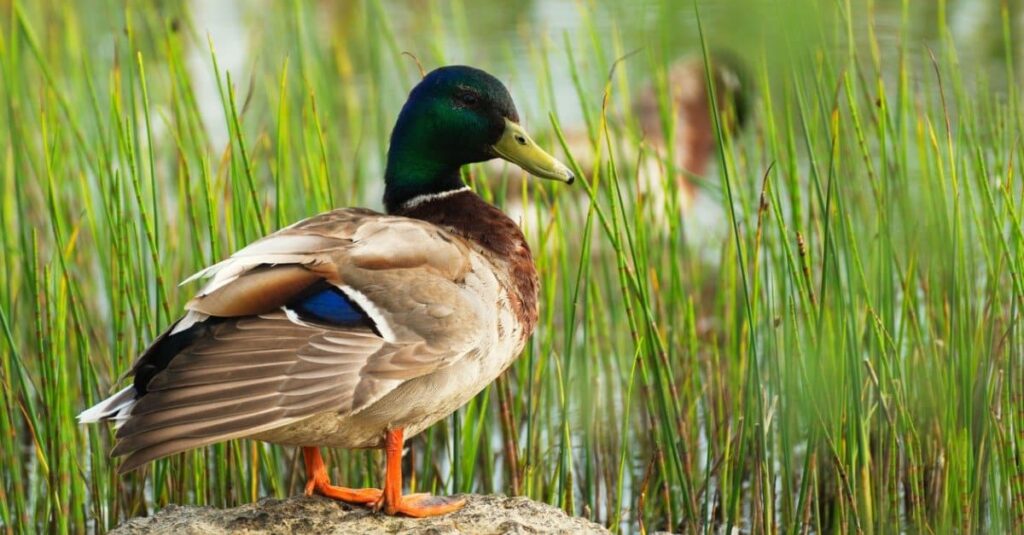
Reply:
x=684, y=157
x=693, y=137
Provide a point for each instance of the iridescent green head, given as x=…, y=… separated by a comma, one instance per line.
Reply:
x=455, y=116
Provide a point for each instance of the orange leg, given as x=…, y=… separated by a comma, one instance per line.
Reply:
x=415, y=505
x=318, y=483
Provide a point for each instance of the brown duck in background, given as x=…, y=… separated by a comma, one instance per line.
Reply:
x=695, y=141
x=694, y=128
x=355, y=329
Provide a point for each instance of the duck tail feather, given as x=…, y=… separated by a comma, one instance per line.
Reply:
x=116, y=407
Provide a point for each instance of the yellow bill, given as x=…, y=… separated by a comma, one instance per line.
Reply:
x=516, y=146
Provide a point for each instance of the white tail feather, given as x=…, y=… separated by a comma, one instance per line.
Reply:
x=115, y=407
x=191, y=318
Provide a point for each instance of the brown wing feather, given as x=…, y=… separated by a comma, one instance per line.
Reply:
x=261, y=289
x=234, y=384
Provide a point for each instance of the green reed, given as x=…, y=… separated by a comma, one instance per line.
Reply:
x=840, y=353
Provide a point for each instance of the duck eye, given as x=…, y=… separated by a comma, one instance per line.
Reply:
x=468, y=98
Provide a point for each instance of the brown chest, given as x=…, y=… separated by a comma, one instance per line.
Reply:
x=496, y=237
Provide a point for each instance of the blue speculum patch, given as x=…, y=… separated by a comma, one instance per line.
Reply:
x=330, y=306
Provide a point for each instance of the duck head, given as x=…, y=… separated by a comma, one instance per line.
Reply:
x=455, y=116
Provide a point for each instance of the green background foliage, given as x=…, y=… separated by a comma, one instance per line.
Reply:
x=840, y=352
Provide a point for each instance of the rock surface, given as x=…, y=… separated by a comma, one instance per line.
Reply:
x=316, y=515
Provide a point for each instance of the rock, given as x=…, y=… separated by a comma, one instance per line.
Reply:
x=492, y=514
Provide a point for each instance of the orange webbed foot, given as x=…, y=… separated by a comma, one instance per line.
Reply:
x=392, y=502
x=318, y=483
x=420, y=505
x=355, y=496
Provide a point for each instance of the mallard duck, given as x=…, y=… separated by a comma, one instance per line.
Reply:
x=694, y=139
x=353, y=328
x=693, y=129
